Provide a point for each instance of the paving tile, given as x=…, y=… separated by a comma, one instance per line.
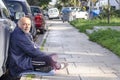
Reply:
x=81, y=59
x=79, y=68
x=108, y=70
x=61, y=77
x=99, y=77
x=115, y=66
x=106, y=59
x=65, y=56
x=72, y=69
x=118, y=75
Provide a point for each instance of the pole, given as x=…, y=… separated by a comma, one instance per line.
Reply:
x=90, y=9
x=108, y=11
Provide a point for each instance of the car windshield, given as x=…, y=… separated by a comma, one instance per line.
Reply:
x=35, y=10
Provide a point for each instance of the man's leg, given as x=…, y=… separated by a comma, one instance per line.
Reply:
x=43, y=64
x=47, y=63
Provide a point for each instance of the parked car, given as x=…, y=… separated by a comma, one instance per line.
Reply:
x=53, y=13
x=75, y=12
x=82, y=14
x=39, y=19
x=6, y=27
x=21, y=6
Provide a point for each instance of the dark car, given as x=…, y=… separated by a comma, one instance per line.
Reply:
x=6, y=27
x=21, y=6
x=38, y=18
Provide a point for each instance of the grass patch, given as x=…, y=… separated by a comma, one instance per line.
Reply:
x=82, y=24
x=107, y=38
x=42, y=46
x=30, y=76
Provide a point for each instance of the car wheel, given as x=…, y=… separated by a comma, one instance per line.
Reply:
x=42, y=31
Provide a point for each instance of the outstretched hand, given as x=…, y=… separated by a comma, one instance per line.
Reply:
x=54, y=57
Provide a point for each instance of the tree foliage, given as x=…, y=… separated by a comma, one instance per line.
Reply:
x=69, y=2
x=41, y=3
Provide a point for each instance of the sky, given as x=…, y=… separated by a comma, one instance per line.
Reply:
x=53, y=2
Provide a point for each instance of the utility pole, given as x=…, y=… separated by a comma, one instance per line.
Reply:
x=108, y=11
x=90, y=9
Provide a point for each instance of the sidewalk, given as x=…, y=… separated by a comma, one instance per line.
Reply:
x=87, y=60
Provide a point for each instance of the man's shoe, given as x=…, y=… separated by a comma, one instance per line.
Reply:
x=61, y=65
x=44, y=69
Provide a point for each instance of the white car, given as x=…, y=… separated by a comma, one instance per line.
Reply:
x=82, y=14
x=53, y=13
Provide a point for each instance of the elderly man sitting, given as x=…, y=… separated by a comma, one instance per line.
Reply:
x=25, y=56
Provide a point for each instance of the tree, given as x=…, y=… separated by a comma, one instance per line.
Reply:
x=74, y=2
x=64, y=2
x=69, y=2
x=41, y=3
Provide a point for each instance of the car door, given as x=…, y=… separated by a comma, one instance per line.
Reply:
x=6, y=26
x=2, y=45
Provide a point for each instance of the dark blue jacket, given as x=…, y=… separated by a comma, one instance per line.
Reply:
x=21, y=52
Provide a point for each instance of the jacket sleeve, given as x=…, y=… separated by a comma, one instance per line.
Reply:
x=28, y=47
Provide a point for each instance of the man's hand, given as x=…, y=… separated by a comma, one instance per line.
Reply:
x=54, y=57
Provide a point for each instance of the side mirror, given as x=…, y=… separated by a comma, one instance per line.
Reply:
x=18, y=15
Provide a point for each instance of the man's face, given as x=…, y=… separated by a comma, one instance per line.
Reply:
x=25, y=25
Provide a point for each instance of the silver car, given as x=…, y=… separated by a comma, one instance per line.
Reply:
x=6, y=26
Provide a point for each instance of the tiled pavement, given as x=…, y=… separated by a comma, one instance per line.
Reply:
x=87, y=60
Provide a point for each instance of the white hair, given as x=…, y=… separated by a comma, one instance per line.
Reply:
x=20, y=20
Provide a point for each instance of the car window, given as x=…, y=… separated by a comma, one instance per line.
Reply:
x=55, y=10
x=35, y=10
x=15, y=7
x=51, y=11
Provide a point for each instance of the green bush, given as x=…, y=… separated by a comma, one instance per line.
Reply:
x=117, y=13
x=82, y=24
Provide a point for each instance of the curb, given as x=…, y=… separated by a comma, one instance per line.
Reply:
x=44, y=37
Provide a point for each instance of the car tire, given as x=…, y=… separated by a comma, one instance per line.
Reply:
x=42, y=31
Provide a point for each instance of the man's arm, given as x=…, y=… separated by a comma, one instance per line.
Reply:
x=28, y=47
